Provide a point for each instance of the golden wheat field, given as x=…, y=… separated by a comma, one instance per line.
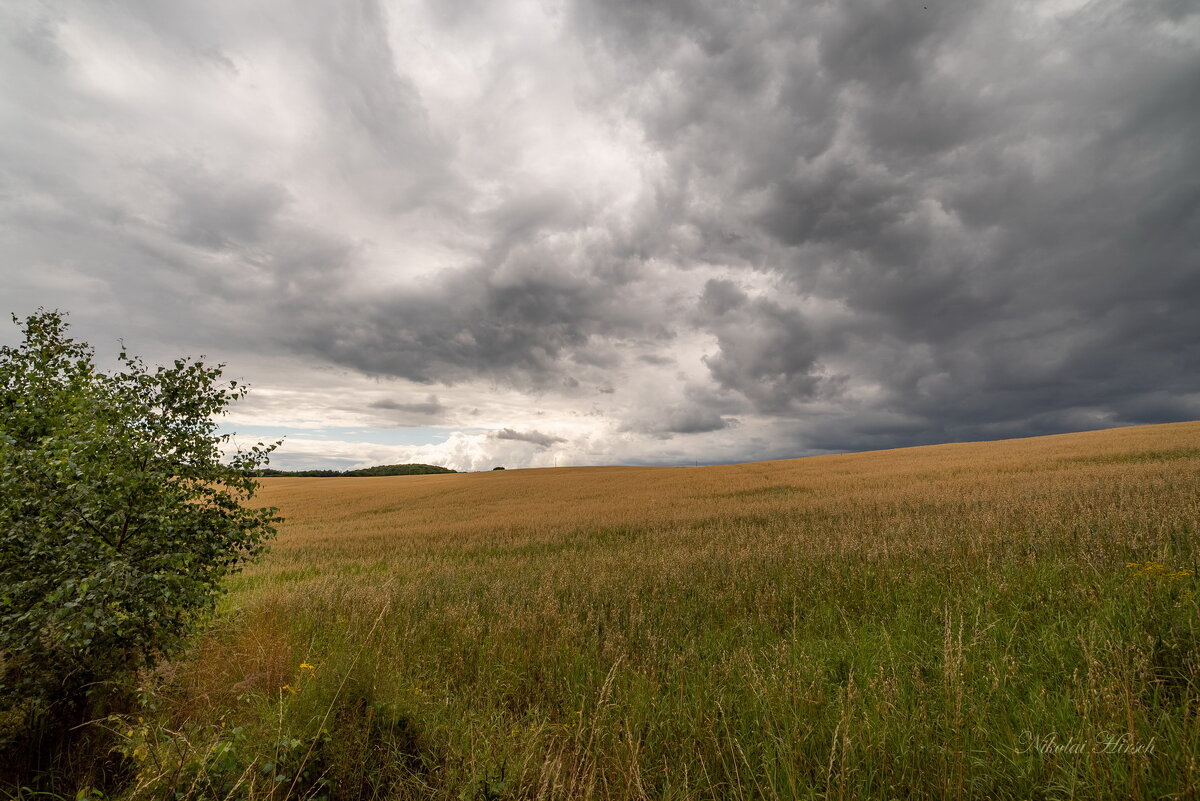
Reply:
x=348, y=520
x=1012, y=619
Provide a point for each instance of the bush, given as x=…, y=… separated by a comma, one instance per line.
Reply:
x=118, y=519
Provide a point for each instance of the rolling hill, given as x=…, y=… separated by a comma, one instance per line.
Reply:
x=934, y=622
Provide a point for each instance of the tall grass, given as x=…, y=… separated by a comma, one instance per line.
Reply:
x=997, y=620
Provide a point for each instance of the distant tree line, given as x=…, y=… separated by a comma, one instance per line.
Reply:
x=377, y=470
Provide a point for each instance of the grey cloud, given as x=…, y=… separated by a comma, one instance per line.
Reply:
x=131, y=217
x=431, y=406
x=700, y=409
x=522, y=332
x=765, y=351
x=959, y=222
x=1000, y=205
x=220, y=214
x=534, y=437
x=695, y=421
x=682, y=419
x=374, y=130
x=38, y=39
x=721, y=297
x=530, y=311
x=883, y=43
x=393, y=154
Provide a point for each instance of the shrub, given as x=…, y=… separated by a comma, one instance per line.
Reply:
x=118, y=518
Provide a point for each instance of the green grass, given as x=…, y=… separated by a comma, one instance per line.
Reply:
x=921, y=624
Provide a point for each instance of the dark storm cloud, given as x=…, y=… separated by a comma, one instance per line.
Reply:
x=864, y=224
x=700, y=409
x=525, y=331
x=1004, y=207
x=533, y=437
x=765, y=351
x=193, y=242
x=694, y=418
x=429, y=407
x=547, y=296
x=222, y=214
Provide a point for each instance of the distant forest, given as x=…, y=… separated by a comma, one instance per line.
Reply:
x=377, y=470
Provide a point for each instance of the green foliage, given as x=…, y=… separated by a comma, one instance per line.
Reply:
x=118, y=519
x=399, y=470
x=345, y=748
x=228, y=764
x=377, y=470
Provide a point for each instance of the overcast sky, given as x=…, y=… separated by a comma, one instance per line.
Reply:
x=520, y=233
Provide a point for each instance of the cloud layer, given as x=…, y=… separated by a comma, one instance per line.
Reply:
x=623, y=232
